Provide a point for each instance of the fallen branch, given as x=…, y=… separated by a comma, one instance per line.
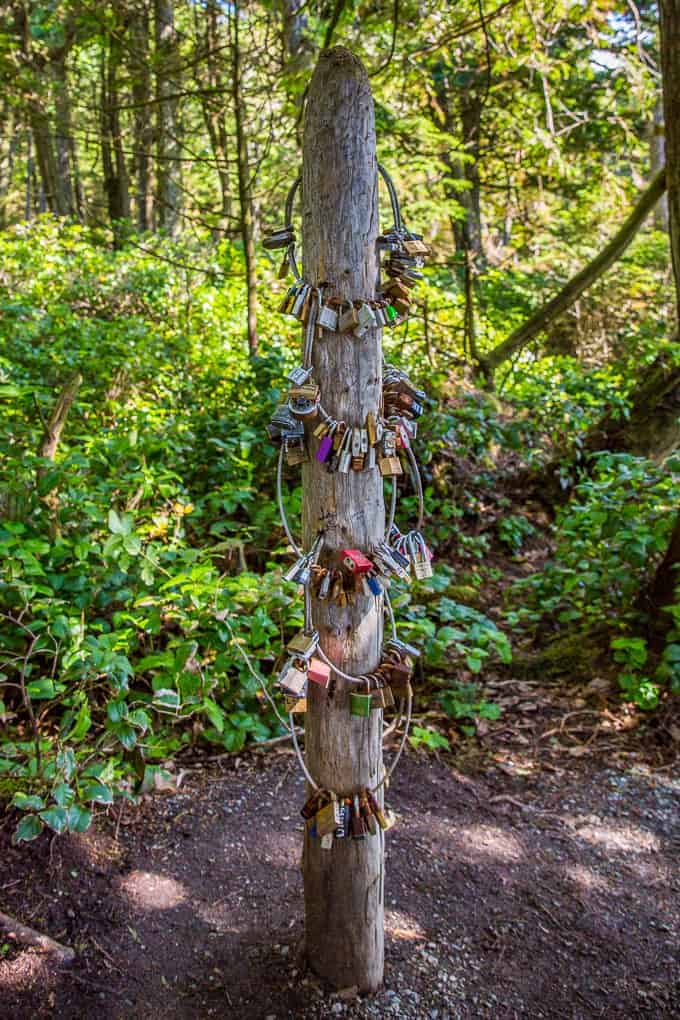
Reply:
x=29, y=937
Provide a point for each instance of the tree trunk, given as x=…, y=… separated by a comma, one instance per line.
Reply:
x=214, y=113
x=141, y=95
x=468, y=232
x=10, y=142
x=343, y=886
x=661, y=592
x=670, y=71
x=65, y=148
x=541, y=319
x=168, y=75
x=113, y=159
x=657, y=160
x=244, y=183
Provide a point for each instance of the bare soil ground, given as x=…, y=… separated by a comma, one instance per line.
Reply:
x=511, y=891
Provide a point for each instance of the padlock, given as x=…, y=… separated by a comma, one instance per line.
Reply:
x=360, y=705
x=299, y=376
x=304, y=644
x=348, y=319
x=325, y=448
x=319, y=672
x=295, y=706
x=328, y=318
x=295, y=451
x=292, y=679
x=376, y=809
x=390, y=466
x=357, y=823
x=314, y=802
x=367, y=814
x=355, y=561
x=328, y=818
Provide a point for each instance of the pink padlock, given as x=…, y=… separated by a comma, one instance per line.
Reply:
x=319, y=672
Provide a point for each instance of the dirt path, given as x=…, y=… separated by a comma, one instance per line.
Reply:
x=551, y=896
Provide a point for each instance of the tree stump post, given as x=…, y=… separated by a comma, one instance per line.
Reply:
x=343, y=886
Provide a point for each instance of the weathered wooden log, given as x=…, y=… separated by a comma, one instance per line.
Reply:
x=343, y=886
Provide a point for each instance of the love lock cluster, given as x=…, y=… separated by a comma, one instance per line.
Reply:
x=382, y=441
x=331, y=817
x=389, y=680
x=343, y=447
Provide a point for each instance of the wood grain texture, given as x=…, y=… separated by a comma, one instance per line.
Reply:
x=343, y=886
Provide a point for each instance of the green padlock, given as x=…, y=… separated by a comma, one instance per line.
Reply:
x=360, y=704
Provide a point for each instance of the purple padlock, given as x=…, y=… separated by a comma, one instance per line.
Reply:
x=325, y=447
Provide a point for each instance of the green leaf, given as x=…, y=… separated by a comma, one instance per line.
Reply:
x=117, y=710
x=214, y=713
x=28, y=802
x=41, y=690
x=63, y=794
x=79, y=818
x=56, y=818
x=166, y=698
x=120, y=524
x=27, y=829
x=126, y=734
x=98, y=793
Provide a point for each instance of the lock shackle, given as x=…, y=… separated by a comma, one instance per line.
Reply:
x=290, y=198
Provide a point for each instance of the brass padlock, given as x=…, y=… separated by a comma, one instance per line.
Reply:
x=304, y=644
x=390, y=466
x=328, y=818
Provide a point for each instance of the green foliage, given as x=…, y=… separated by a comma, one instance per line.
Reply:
x=616, y=524
x=464, y=701
x=422, y=736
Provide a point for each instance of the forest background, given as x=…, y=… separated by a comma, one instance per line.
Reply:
x=145, y=150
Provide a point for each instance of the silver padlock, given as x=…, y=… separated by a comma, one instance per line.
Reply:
x=299, y=375
x=328, y=318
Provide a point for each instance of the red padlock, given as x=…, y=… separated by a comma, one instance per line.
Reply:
x=355, y=561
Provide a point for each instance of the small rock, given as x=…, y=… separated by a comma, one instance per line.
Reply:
x=337, y=1008
x=348, y=993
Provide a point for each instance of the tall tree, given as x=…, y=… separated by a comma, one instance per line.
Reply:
x=113, y=157
x=140, y=72
x=244, y=171
x=167, y=64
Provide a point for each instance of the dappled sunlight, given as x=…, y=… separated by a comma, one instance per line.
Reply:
x=586, y=878
x=490, y=840
x=402, y=926
x=28, y=968
x=151, y=891
x=629, y=839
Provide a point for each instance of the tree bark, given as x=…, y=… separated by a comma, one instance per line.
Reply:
x=661, y=592
x=67, y=177
x=572, y=290
x=168, y=190
x=657, y=160
x=113, y=159
x=468, y=232
x=343, y=886
x=212, y=104
x=141, y=95
x=245, y=197
x=670, y=72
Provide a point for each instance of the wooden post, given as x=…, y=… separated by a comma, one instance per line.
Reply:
x=343, y=886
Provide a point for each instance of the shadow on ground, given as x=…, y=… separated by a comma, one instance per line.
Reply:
x=555, y=895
